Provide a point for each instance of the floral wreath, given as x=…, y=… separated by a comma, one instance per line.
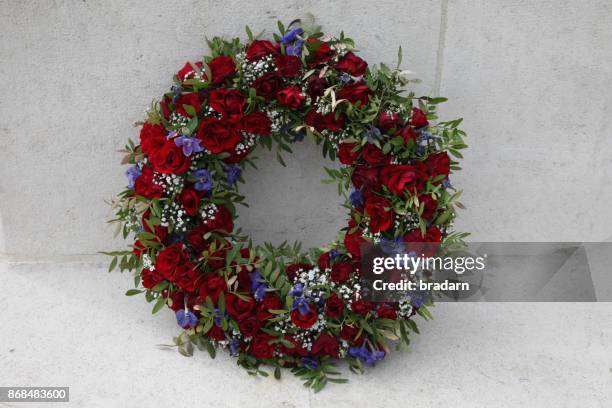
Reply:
x=279, y=306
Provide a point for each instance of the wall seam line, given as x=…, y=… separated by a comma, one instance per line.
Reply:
x=441, y=45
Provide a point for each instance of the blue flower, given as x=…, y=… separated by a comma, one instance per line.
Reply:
x=365, y=355
x=132, y=174
x=291, y=35
x=190, y=145
x=186, y=319
x=373, y=133
x=310, y=362
x=297, y=290
x=218, y=317
x=447, y=184
x=258, y=285
x=299, y=136
x=234, y=346
x=177, y=91
x=301, y=305
x=392, y=246
x=356, y=198
x=295, y=49
x=204, y=182
x=233, y=173
x=333, y=254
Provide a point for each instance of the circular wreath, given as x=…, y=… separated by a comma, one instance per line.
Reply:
x=277, y=305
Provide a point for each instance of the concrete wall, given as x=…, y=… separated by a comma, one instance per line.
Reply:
x=531, y=79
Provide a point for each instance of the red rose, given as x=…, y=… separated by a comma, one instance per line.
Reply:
x=381, y=215
x=438, y=163
x=353, y=242
x=288, y=65
x=190, y=99
x=348, y=153
x=351, y=64
x=187, y=276
x=190, y=199
x=388, y=121
x=430, y=205
x=334, y=306
x=361, y=307
x=258, y=49
x=323, y=261
x=401, y=177
x=341, y=272
x=170, y=159
x=316, y=86
x=271, y=301
x=297, y=349
x=367, y=177
x=158, y=230
x=144, y=185
x=165, y=106
x=221, y=221
x=304, y=321
x=322, y=52
x=374, y=156
x=168, y=259
x=257, y=123
x=321, y=122
x=152, y=138
x=407, y=133
x=216, y=333
x=261, y=347
x=188, y=71
x=290, y=96
x=237, y=307
x=150, y=278
x=218, y=135
x=325, y=344
x=357, y=92
x=249, y=326
x=212, y=286
x=267, y=85
x=292, y=269
x=419, y=118
x=221, y=67
x=425, y=244
x=227, y=102
x=195, y=238
x=386, y=311
x=349, y=333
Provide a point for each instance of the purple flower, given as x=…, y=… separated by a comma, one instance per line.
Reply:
x=291, y=35
x=204, y=180
x=233, y=173
x=297, y=290
x=190, y=145
x=310, y=362
x=132, y=174
x=373, y=133
x=301, y=305
x=356, y=198
x=392, y=246
x=218, y=317
x=234, y=346
x=295, y=49
x=186, y=319
x=258, y=285
x=333, y=254
x=365, y=355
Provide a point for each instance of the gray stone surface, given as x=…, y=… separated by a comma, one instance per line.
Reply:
x=70, y=325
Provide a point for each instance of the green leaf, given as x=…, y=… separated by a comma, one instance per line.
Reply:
x=158, y=305
x=133, y=292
